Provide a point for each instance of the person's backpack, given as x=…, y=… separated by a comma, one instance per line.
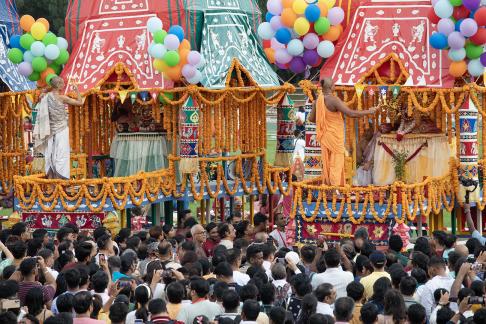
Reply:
x=281, y=294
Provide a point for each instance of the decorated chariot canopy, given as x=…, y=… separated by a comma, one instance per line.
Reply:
x=386, y=33
x=9, y=28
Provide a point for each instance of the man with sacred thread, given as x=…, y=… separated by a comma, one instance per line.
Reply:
x=327, y=113
x=51, y=131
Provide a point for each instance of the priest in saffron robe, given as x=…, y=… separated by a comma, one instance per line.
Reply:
x=327, y=113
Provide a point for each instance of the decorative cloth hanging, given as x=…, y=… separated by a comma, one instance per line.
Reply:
x=189, y=134
x=312, y=160
x=285, y=132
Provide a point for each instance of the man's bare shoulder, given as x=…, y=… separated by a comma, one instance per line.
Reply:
x=331, y=102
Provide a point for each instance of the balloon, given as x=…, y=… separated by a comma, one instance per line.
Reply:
x=268, y=17
x=39, y=64
x=438, y=40
x=299, y=6
x=157, y=51
x=265, y=31
x=50, y=77
x=287, y=3
x=321, y=26
x=323, y=7
x=270, y=53
x=310, y=57
x=325, y=49
x=471, y=4
x=188, y=71
x=475, y=68
x=457, y=69
x=443, y=9
x=329, y=3
x=34, y=76
x=283, y=35
x=194, y=58
x=174, y=73
x=473, y=51
x=480, y=16
x=310, y=41
x=52, y=52
x=185, y=45
x=480, y=37
x=63, y=57
x=301, y=26
x=456, y=3
x=288, y=17
x=154, y=24
x=50, y=38
x=44, y=22
x=56, y=67
x=26, y=41
x=312, y=12
x=201, y=63
x=26, y=22
x=460, y=13
x=456, y=40
x=432, y=16
x=275, y=44
x=282, y=56
x=46, y=72
x=172, y=58
x=38, y=30
x=457, y=25
x=171, y=42
x=333, y=33
x=37, y=48
x=184, y=54
x=196, y=79
x=28, y=57
x=282, y=66
x=295, y=47
x=15, y=41
x=178, y=31
x=15, y=55
x=445, y=26
x=159, y=36
x=274, y=7
x=62, y=43
x=276, y=23
x=160, y=65
x=457, y=55
x=297, y=65
x=483, y=59
x=468, y=27
x=335, y=15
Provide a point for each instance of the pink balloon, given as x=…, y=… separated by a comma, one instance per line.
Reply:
x=282, y=56
x=445, y=26
x=25, y=69
x=276, y=23
x=193, y=58
x=274, y=7
x=188, y=71
x=275, y=44
x=310, y=41
x=468, y=27
x=335, y=15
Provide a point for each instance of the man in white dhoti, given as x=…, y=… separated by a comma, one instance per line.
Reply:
x=51, y=131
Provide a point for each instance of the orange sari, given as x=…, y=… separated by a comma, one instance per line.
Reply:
x=330, y=133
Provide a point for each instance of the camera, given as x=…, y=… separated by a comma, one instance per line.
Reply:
x=466, y=182
x=167, y=273
x=6, y=304
x=476, y=300
x=282, y=261
x=477, y=266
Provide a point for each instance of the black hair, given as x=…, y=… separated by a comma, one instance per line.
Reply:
x=241, y=228
x=277, y=314
x=72, y=278
x=380, y=287
x=100, y=281
x=218, y=257
x=473, y=244
x=18, y=229
x=478, y=287
x=72, y=226
x=250, y=310
x=61, y=318
x=355, y=290
x=395, y=243
x=45, y=253
x=450, y=240
x=440, y=237
x=480, y=316
x=463, y=293
x=102, y=241
x=231, y=301
x=133, y=243
x=408, y=285
x=39, y=233
x=34, y=300
x=259, y=218
x=368, y=248
x=232, y=255
x=438, y=293
x=157, y=306
x=63, y=232
x=118, y=312
x=323, y=290
x=252, y=251
x=268, y=250
x=18, y=249
x=416, y=314
x=8, y=288
x=83, y=251
x=343, y=309
x=369, y=313
x=318, y=318
x=175, y=292
x=436, y=261
x=189, y=223
x=142, y=297
x=420, y=275
x=27, y=266
x=83, y=274
x=301, y=284
x=219, y=288
x=205, y=265
x=64, y=303
x=444, y=315
x=420, y=260
x=223, y=269
x=99, y=231
x=33, y=246
x=321, y=265
x=332, y=258
x=8, y=318
x=97, y=306
x=308, y=307
x=308, y=253
x=397, y=274
x=8, y=271
x=422, y=244
x=126, y=263
x=395, y=306
x=267, y=293
x=188, y=246
x=200, y=286
x=82, y=301
x=223, y=229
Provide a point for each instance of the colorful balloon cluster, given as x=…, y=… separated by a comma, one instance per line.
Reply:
x=172, y=53
x=300, y=33
x=461, y=28
x=39, y=53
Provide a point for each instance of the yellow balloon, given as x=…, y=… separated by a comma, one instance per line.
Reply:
x=160, y=65
x=299, y=6
x=329, y=3
x=38, y=30
x=301, y=26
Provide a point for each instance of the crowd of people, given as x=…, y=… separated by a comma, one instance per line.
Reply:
x=237, y=272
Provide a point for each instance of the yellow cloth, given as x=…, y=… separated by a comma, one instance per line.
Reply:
x=173, y=310
x=431, y=161
x=370, y=280
x=330, y=134
x=356, y=314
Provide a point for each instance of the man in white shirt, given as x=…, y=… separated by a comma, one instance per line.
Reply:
x=334, y=274
x=440, y=279
x=200, y=304
x=233, y=257
x=326, y=296
x=278, y=234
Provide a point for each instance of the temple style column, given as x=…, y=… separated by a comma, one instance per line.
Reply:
x=285, y=132
x=312, y=161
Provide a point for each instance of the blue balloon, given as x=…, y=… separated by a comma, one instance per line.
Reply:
x=458, y=25
x=15, y=42
x=178, y=31
x=438, y=41
x=268, y=17
x=312, y=13
x=283, y=36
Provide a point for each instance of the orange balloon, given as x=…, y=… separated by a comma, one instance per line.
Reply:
x=41, y=83
x=270, y=52
x=287, y=3
x=46, y=72
x=44, y=22
x=183, y=53
x=26, y=21
x=185, y=45
x=457, y=69
x=288, y=17
x=324, y=8
x=174, y=73
x=333, y=33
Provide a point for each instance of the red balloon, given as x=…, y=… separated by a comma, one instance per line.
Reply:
x=266, y=44
x=318, y=62
x=480, y=37
x=480, y=16
x=460, y=12
x=433, y=17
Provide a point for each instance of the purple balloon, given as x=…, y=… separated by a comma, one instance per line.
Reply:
x=274, y=7
x=276, y=23
x=310, y=41
x=456, y=40
x=482, y=59
x=281, y=66
x=445, y=26
x=25, y=68
x=188, y=71
x=282, y=56
x=311, y=57
x=171, y=42
x=297, y=65
x=434, y=2
x=468, y=27
x=335, y=15
x=471, y=4
x=275, y=44
x=194, y=58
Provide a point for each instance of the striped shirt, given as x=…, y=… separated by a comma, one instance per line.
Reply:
x=24, y=287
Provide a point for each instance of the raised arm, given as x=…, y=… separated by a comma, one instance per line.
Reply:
x=6, y=251
x=469, y=221
x=73, y=102
x=339, y=105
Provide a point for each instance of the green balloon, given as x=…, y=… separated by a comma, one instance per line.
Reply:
x=169, y=95
x=56, y=67
x=473, y=51
x=159, y=36
x=322, y=25
x=172, y=58
x=15, y=55
x=49, y=39
x=34, y=76
x=63, y=57
x=39, y=64
x=456, y=3
x=26, y=40
x=49, y=78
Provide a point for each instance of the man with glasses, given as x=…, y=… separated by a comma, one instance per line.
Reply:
x=198, y=234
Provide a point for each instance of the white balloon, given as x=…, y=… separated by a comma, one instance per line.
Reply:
x=37, y=48
x=265, y=31
x=154, y=24
x=201, y=63
x=52, y=52
x=295, y=47
x=196, y=79
x=157, y=51
x=325, y=49
x=28, y=57
x=62, y=43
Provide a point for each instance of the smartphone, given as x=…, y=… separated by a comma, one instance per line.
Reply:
x=102, y=257
x=281, y=260
x=477, y=266
x=476, y=300
x=167, y=273
x=124, y=283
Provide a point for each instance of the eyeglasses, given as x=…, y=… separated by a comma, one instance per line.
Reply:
x=199, y=233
